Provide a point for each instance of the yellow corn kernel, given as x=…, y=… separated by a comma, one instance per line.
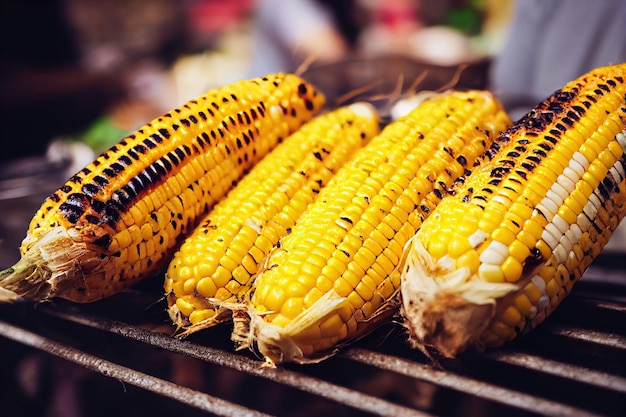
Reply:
x=562, y=167
x=398, y=172
x=128, y=188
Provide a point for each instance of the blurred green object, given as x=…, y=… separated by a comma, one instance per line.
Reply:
x=102, y=134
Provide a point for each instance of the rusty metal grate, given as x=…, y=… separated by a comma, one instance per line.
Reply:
x=574, y=364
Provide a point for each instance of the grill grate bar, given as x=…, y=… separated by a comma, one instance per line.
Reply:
x=560, y=369
x=147, y=382
x=346, y=396
x=464, y=384
x=588, y=335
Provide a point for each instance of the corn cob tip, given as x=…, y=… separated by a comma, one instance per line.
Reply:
x=442, y=307
x=278, y=344
x=50, y=268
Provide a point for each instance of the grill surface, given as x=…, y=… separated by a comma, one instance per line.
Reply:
x=118, y=356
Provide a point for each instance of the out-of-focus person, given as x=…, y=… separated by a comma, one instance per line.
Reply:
x=552, y=42
x=284, y=34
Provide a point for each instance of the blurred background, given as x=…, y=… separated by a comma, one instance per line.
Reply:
x=78, y=75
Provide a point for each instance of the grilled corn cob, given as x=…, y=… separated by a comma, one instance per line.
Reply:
x=332, y=278
x=221, y=257
x=493, y=260
x=119, y=218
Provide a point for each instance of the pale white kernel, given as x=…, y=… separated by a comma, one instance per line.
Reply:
x=495, y=253
x=560, y=254
x=615, y=174
x=583, y=222
x=582, y=160
x=576, y=233
x=532, y=313
x=560, y=224
x=621, y=139
x=595, y=200
x=551, y=235
x=560, y=191
x=539, y=283
x=568, y=179
x=576, y=167
x=543, y=302
x=489, y=270
x=590, y=210
x=620, y=169
x=478, y=237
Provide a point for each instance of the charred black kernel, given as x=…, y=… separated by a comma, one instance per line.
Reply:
x=555, y=107
x=603, y=189
x=130, y=190
x=213, y=134
x=620, y=79
x=520, y=149
x=515, y=180
x=160, y=169
x=180, y=153
x=85, y=171
x=532, y=134
x=248, y=121
x=103, y=241
x=510, y=163
x=529, y=167
x=234, y=97
x=523, y=141
x=74, y=206
x=187, y=149
x=66, y=188
x=140, y=148
x=495, y=182
x=106, y=155
x=487, y=190
x=293, y=112
x=604, y=87
x=420, y=135
x=261, y=109
x=561, y=127
x=96, y=163
x=245, y=157
x=175, y=126
x=540, y=152
x=317, y=155
x=424, y=208
x=437, y=193
x=193, y=119
x=75, y=179
x=114, y=148
x=550, y=139
x=568, y=121
x=513, y=154
x=555, y=132
x=578, y=109
x=202, y=115
x=157, y=138
x=55, y=197
x=308, y=104
x=117, y=167
x=347, y=219
x=598, y=92
x=611, y=83
x=240, y=118
x=149, y=143
x=125, y=160
x=225, y=99
x=227, y=149
x=185, y=122
x=206, y=137
x=90, y=189
x=92, y=219
x=109, y=172
x=239, y=144
x=302, y=90
x=253, y=114
x=221, y=132
x=480, y=197
x=345, y=252
x=97, y=205
x=172, y=157
x=122, y=197
x=499, y=172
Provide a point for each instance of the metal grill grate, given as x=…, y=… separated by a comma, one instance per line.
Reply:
x=574, y=364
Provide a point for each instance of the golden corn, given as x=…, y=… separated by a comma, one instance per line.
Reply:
x=530, y=221
x=119, y=218
x=221, y=257
x=333, y=277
